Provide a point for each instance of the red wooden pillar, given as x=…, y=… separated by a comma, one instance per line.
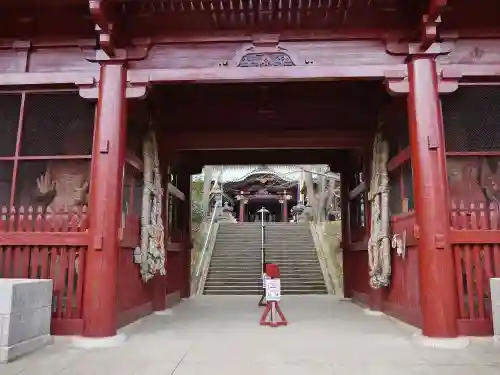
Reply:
x=285, y=209
x=242, y=210
x=100, y=284
x=345, y=178
x=438, y=293
x=184, y=182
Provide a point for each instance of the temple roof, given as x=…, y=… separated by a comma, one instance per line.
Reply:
x=144, y=18
x=264, y=169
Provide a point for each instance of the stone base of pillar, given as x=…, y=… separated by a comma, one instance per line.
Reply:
x=373, y=312
x=165, y=312
x=441, y=343
x=98, y=342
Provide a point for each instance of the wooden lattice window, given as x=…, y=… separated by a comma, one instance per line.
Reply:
x=45, y=149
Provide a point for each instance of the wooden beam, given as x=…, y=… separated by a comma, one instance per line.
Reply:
x=273, y=74
x=175, y=192
x=44, y=239
x=490, y=237
x=360, y=189
x=56, y=78
x=402, y=157
x=290, y=139
x=134, y=162
x=285, y=157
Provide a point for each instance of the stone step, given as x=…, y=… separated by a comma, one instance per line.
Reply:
x=254, y=240
x=257, y=267
x=285, y=284
x=257, y=276
x=259, y=292
x=284, y=278
x=244, y=264
x=276, y=254
x=235, y=267
x=254, y=289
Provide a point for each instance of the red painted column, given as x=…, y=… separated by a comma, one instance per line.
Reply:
x=101, y=263
x=242, y=210
x=438, y=293
x=285, y=209
x=184, y=182
x=345, y=178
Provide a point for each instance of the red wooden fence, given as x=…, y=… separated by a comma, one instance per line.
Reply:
x=475, y=237
x=39, y=244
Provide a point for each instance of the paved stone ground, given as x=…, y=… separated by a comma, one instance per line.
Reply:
x=214, y=335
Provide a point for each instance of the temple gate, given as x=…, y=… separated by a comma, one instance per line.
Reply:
x=77, y=104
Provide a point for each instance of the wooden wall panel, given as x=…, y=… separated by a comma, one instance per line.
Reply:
x=12, y=61
x=473, y=51
x=60, y=59
x=344, y=53
x=401, y=300
x=187, y=56
x=362, y=52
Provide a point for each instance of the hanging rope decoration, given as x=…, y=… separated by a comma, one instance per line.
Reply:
x=379, y=250
x=151, y=254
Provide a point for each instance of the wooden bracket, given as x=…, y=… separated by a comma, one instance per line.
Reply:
x=397, y=83
x=409, y=49
x=429, y=31
x=87, y=88
x=416, y=231
x=99, y=12
x=23, y=47
x=135, y=89
x=440, y=241
x=98, y=242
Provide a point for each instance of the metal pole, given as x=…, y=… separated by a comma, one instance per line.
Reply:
x=262, y=240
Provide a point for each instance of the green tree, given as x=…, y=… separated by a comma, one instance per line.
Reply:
x=197, y=201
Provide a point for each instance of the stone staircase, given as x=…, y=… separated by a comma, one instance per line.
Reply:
x=235, y=267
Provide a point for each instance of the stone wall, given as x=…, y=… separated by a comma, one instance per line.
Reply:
x=495, y=303
x=25, y=313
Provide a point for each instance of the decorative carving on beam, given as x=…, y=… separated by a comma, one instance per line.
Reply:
x=264, y=52
x=260, y=59
x=99, y=11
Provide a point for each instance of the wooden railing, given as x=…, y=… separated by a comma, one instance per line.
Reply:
x=38, y=244
x=475, y=237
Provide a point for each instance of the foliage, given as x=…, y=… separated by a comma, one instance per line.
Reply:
x=196, y=201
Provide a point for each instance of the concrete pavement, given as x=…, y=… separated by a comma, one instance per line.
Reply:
x=219, y=335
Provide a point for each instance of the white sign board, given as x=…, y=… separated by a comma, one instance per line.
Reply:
x=273, y=290
x=264, y=280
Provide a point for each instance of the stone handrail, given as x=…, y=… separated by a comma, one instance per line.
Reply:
x=202, y=261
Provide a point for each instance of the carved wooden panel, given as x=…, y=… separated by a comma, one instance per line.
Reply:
x=262, y=59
